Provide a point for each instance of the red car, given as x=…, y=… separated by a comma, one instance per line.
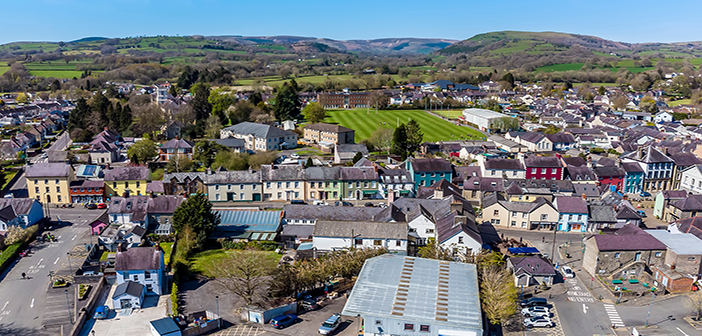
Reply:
x=102, y=206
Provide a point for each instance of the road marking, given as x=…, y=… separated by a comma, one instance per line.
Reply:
x=57, y=259
x=31, y=305
x=74, y=237
x=584, y=309
x=680, y=330
x=613, y=316
x=40, y=260
x=5, y=306
x=59, y=238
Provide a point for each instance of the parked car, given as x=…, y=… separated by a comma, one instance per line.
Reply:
x=295, y=156
x=567, y=272
x=342, y=203
x=536, y=311
x=535, y=301
x=308, y=304
x=320, y=203
x=298, y=202
x=102, y=206
x=331, y=324
x=91, y=206
x=369, y=204
x=101, y=312
x=645, y=194
x=641, y=213
x=538, y=322
x=282, y=321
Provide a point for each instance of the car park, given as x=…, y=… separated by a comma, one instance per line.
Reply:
x=101, y=312
x=330, y=325
x=538, y=322
x=567, y=272
x=309, y=304
x=535, y=301
x=536, y=312
x=282, y=321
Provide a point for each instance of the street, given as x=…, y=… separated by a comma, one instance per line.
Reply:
x=27, y=306
x=580, y=313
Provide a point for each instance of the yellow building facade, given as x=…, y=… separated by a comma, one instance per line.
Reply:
x=48, y=182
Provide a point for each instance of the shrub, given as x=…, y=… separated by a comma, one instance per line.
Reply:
x=252, y=245
x=174, y=299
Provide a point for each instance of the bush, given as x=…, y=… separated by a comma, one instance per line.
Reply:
x=174, y=299
x=9, y=254
x=252, y=245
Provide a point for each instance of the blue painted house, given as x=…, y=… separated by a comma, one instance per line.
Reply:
x=22, y=212
x=143, y=265
x=426, y=172
x=633, y=180
x=573, y=213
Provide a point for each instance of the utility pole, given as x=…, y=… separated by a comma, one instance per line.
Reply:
x=68, y=306
x=219, y=318
x=553, y=244
x=653, y=296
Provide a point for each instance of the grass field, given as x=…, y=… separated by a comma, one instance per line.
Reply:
x=199, y=260
x=166, y=247
x=276, y=80
x=596, y=85
x=679, y=102
x=4, y=69
x=56, y=73
x=434, y=129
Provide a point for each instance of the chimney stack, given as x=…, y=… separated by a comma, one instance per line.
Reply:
x=584, y=196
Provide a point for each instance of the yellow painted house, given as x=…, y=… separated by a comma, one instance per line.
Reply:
x=48, y=182
x=126, y=181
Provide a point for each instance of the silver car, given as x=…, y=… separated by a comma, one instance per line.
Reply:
x=536, y=311
x=536, y=322
x=330, y=324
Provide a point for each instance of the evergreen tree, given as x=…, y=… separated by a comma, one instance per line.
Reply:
x=255, y=98
x=78, y=116
x=125, y=119
x=414, y=137
x=399, y=142
x=309, y=163
x=287, y=102
x=200, y=104
x=357, y=157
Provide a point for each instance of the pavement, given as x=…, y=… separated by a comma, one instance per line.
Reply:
x=30, y=306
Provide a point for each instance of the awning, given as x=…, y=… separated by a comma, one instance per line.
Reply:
x=404, y=192
x=370, y=192
x=523, y=250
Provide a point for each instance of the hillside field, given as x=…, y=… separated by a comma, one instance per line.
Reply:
x=365, y=123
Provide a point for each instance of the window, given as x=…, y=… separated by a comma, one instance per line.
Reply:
x=58, y=189
x=523, y=224
x=47, y=189
x=114, y=184
x=137, y=184
x=126, y=184
x=637, y=256
x=135, y=277
x=544, y=217
x=423, y=327
x=533, y=170
x=297, y=184
x=350, y=184
x=59, y=198
x=429, y=230
x=514, y=223
x=268, y=184
x=378, y=322
x=377, y=242
x=280, y=184
x=460, y=240
x=496, y=213
x=409, y=326
x=514, y=214
x=46, y=181
x=514, y=173
x=335, y=184
x=690, y=258
x=497, y=222
x=216, y=197
x=524, y=215
x=280, y=195
x=492, y=172
x=287, y=184
x=36, y=190
x=241, y=196
x=56, y=181
x=398, y=243
x=659, y=254
x=616, y=255
x=358, y=184
x=216, y=186
x=553, y=171
x=358, y=241
x=147, y=275
x=543, y=170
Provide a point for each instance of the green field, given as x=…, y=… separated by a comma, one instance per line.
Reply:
x=679, y=102
x=276, y=80
x=201, y=259
x=365, y=123
x=56, y=73
x=3, y=69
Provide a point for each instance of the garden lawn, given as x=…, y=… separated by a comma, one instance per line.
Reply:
x=8, y=177
x=166, y=247
x=434, y=129
x=679, y=102
x=197, y=261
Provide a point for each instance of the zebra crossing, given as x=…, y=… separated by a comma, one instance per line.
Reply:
x=614, y=316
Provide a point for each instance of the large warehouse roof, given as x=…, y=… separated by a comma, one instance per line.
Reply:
x=483, y=113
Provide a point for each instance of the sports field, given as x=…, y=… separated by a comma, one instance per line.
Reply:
x=434, y=129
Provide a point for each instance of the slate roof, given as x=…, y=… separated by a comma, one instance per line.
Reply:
x=358, y=173
x=164, y=204
x=582, y=173
x=165, y=326
x=603, y=172
x=637, y=242
x=632, y=167
x=127, y=174
x=129, y=287
x=48, y=170
x=350, y=150
x=139, y=259
x=7, y=214
x=231, y=142
x=602, y=214
x=364, y=230
x=21, y=206
x=452, y=224
x=670, y=194
x=484, y=184
x=691, y=225
x=282, y=173
x=571, y=204
x=335, y=213
x=410, y=206
x=649, y=155
x=177, y=143
x=626, y=212
x=532, y=265
x=234, y=176
x=685, y=159
x=680, y=243
x=328, y=128
x=561, y=138
x=136, y=205
x=542, y=162
x=575, y=161
x=691, y=203
x=431, y=165
x=258, y=130
x=590, y=190
x=553, y=185
x=504, y=164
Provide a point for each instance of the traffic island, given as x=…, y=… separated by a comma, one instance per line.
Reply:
x=697, y=324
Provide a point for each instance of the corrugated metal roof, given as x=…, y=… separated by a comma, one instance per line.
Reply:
x=417, y=289
x=242, y=223
x=680, y=243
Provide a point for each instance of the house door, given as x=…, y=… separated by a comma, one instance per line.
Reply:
x=48, y=198
x=256, y=197
x=575, y=227
x=125, y=303
x=230, y=197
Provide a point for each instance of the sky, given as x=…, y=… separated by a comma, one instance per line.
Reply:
x=618, y=20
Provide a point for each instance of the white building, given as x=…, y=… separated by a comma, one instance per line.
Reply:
x=691, y=179
x=662, y=117
x=260, y=137
x=482, y=118
x=143, y=265
x=339, y=235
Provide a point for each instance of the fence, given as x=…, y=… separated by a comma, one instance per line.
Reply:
x=84, y=313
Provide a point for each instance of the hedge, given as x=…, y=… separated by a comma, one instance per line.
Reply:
x=9, y=254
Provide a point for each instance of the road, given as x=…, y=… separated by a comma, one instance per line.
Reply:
x=27, y=307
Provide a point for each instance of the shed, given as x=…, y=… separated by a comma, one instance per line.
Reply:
x=164, y=327
x=248, y=225
x=128, y=294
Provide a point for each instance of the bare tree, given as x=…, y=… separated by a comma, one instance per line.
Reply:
x=696, y=299
x=212, y=127
x=619, y=101
x=381, y=138
x=497, y=293
x=244, y=273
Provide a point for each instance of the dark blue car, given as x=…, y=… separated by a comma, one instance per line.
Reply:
x=283, y=321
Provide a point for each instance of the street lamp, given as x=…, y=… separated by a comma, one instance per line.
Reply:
x=219, y=318
x=68, y=306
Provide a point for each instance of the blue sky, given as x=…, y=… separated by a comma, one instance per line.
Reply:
x=619, y=20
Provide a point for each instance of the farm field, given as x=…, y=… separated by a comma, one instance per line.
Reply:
x=4, y=69
x=679, y=102
x=434, y=129
x=276, y=80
